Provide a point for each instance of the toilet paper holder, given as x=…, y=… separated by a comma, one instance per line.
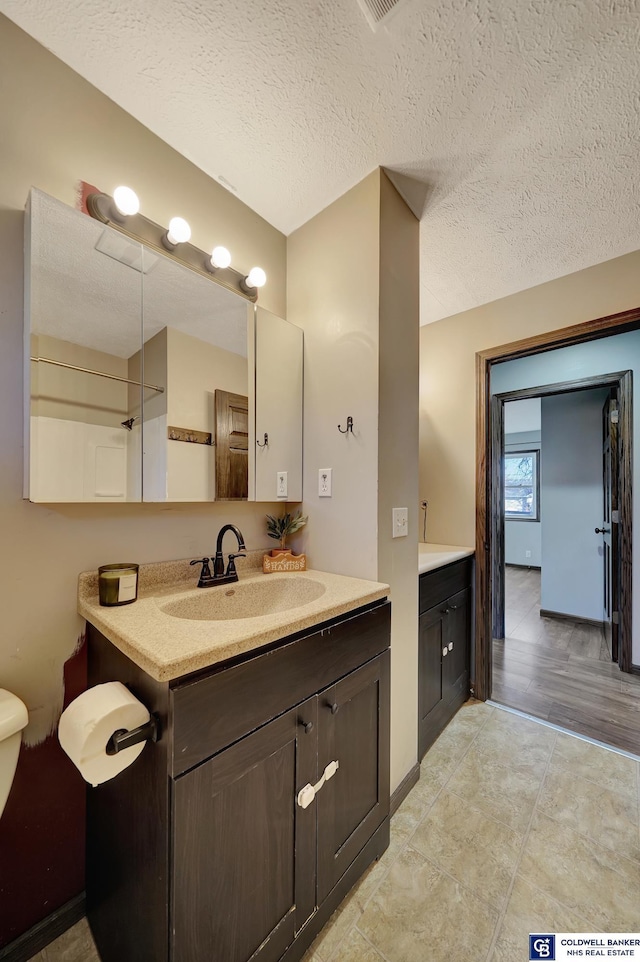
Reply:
x=121, y=739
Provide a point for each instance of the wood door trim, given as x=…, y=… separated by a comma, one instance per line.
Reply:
x=564, y=337
x=625, y=531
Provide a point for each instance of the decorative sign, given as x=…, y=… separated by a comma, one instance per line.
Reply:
x=284, y=561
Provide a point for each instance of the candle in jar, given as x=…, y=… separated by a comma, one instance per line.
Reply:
x=118, y=584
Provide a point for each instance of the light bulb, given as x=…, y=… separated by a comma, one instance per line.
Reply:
x=220, y=257
x=179, y=231
x=126, y=200
x=256, y=277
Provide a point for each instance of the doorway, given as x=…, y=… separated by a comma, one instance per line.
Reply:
x=615, y=391
x=555, y=652
x=490, y=493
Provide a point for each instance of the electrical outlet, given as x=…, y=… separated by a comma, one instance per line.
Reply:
x=527, y=554
x=324, y=482
x=281, y=484
x=400, y=522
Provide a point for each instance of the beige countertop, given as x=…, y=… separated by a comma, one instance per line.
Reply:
x=167, y=647
x=432, y=556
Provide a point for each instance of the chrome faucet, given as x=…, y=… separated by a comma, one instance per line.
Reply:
x=220, y=576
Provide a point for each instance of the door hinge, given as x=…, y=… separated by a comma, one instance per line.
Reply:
x=615, y=517
x=615, y=617
x=307, y=794
x=614, y=415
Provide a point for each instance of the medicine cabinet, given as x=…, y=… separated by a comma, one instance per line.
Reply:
x=145, y=381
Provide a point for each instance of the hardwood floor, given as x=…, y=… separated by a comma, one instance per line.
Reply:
x=561, y=671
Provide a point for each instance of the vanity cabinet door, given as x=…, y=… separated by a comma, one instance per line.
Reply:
x=243, y=850
x=444, y=645
x=353, y=730
x=456, y=665
x=432, y=642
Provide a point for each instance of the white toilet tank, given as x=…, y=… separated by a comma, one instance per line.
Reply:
x=13, y=718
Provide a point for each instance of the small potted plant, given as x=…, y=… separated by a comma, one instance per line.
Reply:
x=281, y=528
x=281, y=559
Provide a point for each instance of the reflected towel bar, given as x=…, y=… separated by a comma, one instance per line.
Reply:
x=86, y=370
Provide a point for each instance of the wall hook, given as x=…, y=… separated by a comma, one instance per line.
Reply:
x=265, y=443
x=348, y=428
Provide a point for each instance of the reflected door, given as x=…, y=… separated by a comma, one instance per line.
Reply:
x=232, y=446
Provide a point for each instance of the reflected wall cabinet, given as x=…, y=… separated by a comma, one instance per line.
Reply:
x=129, y=356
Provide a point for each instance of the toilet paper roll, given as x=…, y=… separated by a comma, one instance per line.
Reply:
x=88, y=723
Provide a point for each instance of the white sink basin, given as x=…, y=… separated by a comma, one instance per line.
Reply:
x=251, y=600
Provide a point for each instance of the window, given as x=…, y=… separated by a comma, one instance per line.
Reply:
x=521, y=486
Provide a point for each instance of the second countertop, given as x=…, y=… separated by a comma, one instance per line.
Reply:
x=432, y=556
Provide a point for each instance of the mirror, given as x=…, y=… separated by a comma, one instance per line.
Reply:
x=147, y=381
x=195, y=336
x=83, y=326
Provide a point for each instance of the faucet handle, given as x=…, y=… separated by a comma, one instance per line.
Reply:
x=231, y=567
x=205, y=574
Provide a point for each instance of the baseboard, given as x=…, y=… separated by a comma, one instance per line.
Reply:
x=561, y=616
x=410, y=779
x=511, y=564
x=43, y=933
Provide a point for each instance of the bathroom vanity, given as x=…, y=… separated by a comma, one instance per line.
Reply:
x=222, y=842
x=444, y=637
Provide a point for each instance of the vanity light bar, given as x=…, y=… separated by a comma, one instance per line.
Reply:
x=173, y=242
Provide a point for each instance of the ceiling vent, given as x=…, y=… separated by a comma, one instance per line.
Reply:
x=378, y=12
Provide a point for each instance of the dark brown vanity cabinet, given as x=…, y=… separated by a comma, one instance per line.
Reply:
x=444, y=640
x=240, y=845
x=239, y=869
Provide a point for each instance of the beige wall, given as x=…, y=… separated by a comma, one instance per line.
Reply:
x=398, y=460
x=333, y=275
x=57, y=130
x=447, y=377
x=57, y=392
x=353, y=286
x=195, y=370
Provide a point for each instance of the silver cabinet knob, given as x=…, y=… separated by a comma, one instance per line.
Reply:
x=444, y=651
x=450, y=646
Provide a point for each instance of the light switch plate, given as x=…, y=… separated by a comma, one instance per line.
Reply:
x=324, y=482
x=400, y=522
x=281, y=484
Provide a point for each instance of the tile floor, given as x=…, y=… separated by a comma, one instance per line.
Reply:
x=513, y=828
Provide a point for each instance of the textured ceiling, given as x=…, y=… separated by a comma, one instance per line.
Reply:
x=521, y=119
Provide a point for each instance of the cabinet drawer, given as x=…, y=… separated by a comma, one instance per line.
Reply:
x=437, y=586
x=212, y=712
